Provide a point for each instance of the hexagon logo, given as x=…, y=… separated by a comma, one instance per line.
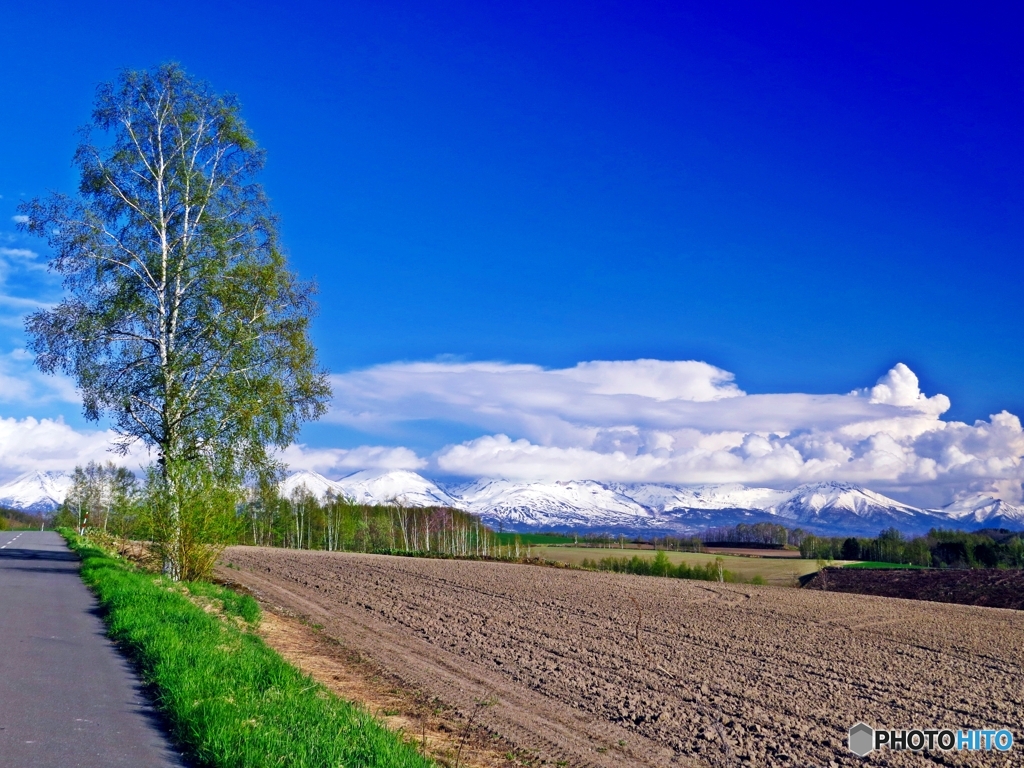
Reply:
x=862, y=739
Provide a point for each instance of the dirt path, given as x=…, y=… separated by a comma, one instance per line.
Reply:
x=434, y=728
x=600, y=669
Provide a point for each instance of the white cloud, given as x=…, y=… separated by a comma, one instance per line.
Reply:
x=22, y=384
x=656, y=379
x=900, y=386
x=339, y=460
x=22, y=254
x=19, y=304
x=627, y=421
x=50, y=444
x=590, y=400
x=13, y=259
x=19, y=219
x=688, y=423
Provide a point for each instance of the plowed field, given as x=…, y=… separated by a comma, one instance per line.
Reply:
x=992, y=587
x=602, y=669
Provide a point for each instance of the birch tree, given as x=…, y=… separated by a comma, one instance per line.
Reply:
x=182, y=323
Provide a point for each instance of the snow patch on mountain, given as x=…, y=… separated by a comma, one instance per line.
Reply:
x=397, y=486
x=36, y=491
x=569, y=504
x=313, y=483
x=666, y=498
x=981, y=508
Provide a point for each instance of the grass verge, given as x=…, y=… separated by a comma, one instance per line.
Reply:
x=230, y=700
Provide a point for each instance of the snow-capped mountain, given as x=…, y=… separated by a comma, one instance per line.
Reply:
x=816, y=499
x=35, y=491
x=370, y=487
x=309, y=482
x=666, y=498
x=830, y=508
x=401, y=486
x=653, y=508
x=570, y=504
x=980, y=508
x=841, y=507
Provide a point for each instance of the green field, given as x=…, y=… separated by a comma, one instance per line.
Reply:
x=778, y=571
x=533, y=539
x=873, y=564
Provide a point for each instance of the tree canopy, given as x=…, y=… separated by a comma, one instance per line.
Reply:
x=182, y=322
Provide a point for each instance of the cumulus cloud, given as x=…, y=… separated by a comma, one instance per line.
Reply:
x=688, y=423
x=340, y=460
x=52, y=445
x=19, y=219
x=30, y=444
x=625, y=421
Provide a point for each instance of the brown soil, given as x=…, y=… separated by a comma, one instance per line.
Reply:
x=603, y=669
x=426, y=722
x=990, y=587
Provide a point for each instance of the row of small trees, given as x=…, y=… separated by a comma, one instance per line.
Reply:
x=760, y=534
x=209, y=515
x=183, y=531
x=660, y=565
x=302, y=521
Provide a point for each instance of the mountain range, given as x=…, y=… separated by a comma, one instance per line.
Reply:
x=653, y=509
x=832, y=508
x=35, y=491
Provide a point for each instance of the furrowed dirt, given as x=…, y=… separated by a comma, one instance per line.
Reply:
x=992, y=587
x=433, y=728
x=601, y=669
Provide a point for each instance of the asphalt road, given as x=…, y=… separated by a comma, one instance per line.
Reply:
x=67, y=697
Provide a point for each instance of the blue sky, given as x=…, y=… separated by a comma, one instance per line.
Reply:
x=802, y=198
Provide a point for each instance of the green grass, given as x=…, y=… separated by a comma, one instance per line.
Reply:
x=533, y=539
x=660, y=565
x=777, y=571
x=879, y=565
x=231, y=701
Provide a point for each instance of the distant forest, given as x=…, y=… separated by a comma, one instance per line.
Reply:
x=939, y=548
x=16, y=519
x=993, y=548
x=103, y=500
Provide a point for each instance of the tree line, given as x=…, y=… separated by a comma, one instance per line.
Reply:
x=107, y=499
x=939, y=548
x=336, y=523
x=19, y=520
x=660, y=565
x=757, y=534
